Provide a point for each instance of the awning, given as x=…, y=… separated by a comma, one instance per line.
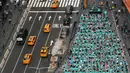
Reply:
x=127, y=4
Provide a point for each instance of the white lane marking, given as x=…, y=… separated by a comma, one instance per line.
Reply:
x=36, y=40
x=29, y=3
x=69, y=2
x=12, y=48
x=60, y=3
x=46, y=43
x=63, y=3
x=75, y=3
x=72, y=2
x=37, y=4
x=40, y=4
x=34, y=3
x=6, y=53
x=43, y=4
x=24, y=45
x=46, y=3
x=66, y=3
x=78, y=3
x=10, y=45
x=49, y=4
x=50, y=11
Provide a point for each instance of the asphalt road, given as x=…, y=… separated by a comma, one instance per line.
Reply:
x=35, y=27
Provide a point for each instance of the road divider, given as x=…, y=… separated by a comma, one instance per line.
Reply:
x=10, y=45
x=6, y=53
x=2, y=63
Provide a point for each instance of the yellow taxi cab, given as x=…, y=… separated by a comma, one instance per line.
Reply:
x=55, y=4
x=31, y=40
x=44, y=52
x=47, y=27
x=27, y=58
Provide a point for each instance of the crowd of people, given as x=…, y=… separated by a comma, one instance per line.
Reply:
x=96, y=48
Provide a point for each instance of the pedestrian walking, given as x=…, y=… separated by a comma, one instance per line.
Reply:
x=9, y=21
x=7, y=6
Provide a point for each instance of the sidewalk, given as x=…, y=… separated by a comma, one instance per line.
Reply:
x=7, y=29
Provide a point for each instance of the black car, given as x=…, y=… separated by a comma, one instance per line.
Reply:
x=69, y=9
x=21, y=37
x=67, y=21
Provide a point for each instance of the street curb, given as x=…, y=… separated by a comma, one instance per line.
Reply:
x=12, y=39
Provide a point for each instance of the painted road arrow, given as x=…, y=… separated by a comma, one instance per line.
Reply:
x=40, y=18
x=30, y=18
x=49, y=17
x=59, y=17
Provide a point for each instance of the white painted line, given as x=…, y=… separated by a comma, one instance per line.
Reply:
x=33, y=2
x=78, y=3
x=24, y=44
x=69, y=2
x=2, y=63
x=66, y=3
x=55, y=26
x=72, y=2
x=37, y=4
x=63, y=3
x=25, y=19
x=11, y=50
x=46, y=43
x=15, y=34
x=18, y=27
x=46, y=3
x=49, y=4
x=10, y=45
x=50, y=11
x=29, y=3
x=6, y=53
x=43, y=4
x=75, y=3
x=40, y=4
x=60, y=3
x=36, y=40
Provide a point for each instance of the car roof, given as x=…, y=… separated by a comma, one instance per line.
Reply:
x=46, y=25
x=26, y=56
x=31, y=38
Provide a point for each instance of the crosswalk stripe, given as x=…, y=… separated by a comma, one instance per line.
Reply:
x=78, y=3
x=37, y=3
x=60, y=3
x=75, y=3
x=69, y=2
x=72, y=2
x=46, y=3
x=31, y=3
x=66, y=3
x=63, y=3
x=40, y=4
x=49, y=4
x=34, y=3
x=43, y=4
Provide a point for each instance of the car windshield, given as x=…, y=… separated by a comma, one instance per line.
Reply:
x=53, y=2
x=26, y=58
